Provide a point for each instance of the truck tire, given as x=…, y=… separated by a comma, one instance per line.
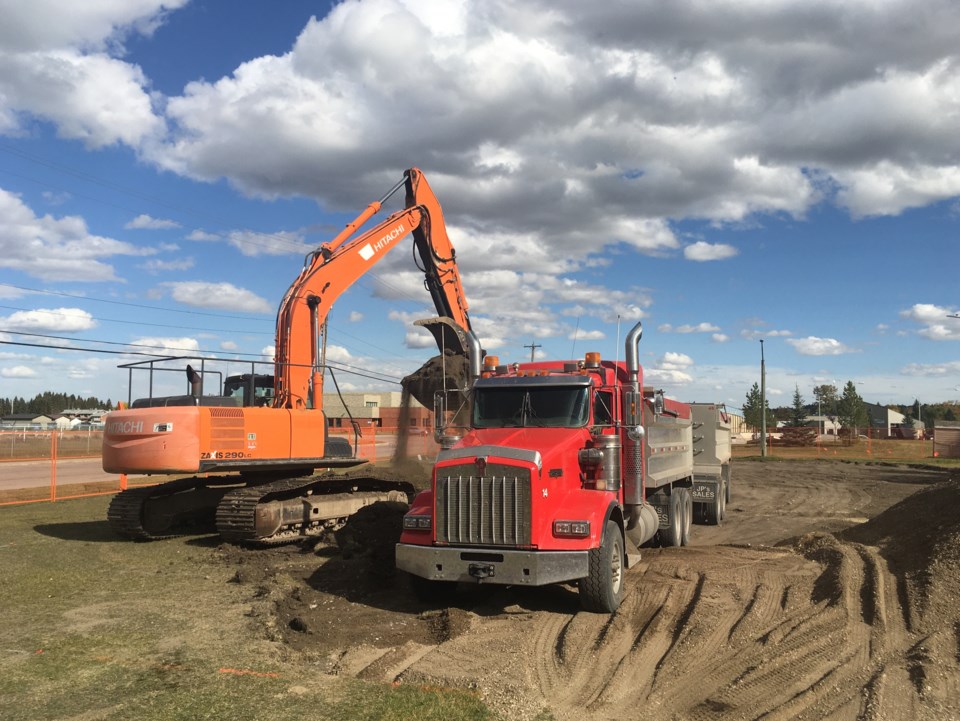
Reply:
x=602, y=590
x=673, y=535
x=687, y=516
x=723, y=501
x=432, y=592
x=714, y=510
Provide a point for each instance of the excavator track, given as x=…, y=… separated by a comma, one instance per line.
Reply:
x=174, y=508
x=292, y=509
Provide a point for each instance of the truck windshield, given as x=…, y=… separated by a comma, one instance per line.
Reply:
x=544, y=407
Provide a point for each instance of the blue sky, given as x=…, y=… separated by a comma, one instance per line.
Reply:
x=779, y=171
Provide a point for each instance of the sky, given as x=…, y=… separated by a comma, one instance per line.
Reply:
x=725, y=173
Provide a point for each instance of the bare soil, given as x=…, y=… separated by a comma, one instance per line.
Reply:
x=832, y=591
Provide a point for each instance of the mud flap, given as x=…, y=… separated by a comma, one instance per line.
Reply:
x=632, y=552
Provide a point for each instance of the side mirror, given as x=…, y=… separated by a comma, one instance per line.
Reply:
x=658, y=403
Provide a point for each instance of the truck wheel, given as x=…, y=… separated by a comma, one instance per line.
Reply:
x=673, y=536
x=687, y=516
x=602, y=590
x=723, y=501
x=726, y=480
x=432, y=592
x=714, y=510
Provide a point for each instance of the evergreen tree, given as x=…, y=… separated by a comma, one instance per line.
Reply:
x=798, y=413
x=826, y=397
x=752, y=413
x=851, y=411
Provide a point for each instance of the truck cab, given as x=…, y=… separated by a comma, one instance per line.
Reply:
x=532, y=493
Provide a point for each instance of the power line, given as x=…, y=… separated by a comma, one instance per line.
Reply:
x=124, y=303
x=383, y=378
x=130, y=322
x=339, y=330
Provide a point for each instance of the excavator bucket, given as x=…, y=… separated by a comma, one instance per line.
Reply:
x=451, y=371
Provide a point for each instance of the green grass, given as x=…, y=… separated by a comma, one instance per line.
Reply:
x=97, y=628
x=868, y=451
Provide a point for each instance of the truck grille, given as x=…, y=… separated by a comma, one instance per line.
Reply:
x=490, y=510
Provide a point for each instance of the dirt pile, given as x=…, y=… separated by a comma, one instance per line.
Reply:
x=448, y=371
x=920, y=538
x=373, y=533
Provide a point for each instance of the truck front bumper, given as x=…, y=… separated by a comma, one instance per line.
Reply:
x=500, y=566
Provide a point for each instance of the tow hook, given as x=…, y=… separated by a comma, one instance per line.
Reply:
x=481, y=571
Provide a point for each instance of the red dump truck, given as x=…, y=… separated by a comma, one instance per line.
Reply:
x=564, y=470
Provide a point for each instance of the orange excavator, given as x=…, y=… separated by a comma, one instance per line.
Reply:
x=262, y=458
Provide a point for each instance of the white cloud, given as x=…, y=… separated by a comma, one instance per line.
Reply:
x=719, y=338
x=223, y=296
x=355, y=316
x=154, y=265
x=18, y=372
x=671, y=360
x=338, y=354
x=146, y=222
x=581, y=334
x=814, y=346
x=170, y=346
x=702, y=251
x=757, y=334
x=687, y=328
x=204, y=236
x=63, y=70
x=566, y=122
x=229, y=345
x=55, y=249
x=937, y=370
x=53, y=320
x=934, y=318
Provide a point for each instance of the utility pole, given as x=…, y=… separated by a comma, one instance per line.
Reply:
x=533, y=347
x=763, y=404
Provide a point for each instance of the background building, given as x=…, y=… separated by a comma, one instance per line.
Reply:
x=376, y=409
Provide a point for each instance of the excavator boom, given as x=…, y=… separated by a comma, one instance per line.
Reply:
x=335, y=266
x=276, y=448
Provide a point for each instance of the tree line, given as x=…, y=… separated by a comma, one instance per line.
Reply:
x=51, y=404
x=847, y=407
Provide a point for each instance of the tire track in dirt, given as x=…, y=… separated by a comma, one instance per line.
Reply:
x=823, y=627
x=817, y=633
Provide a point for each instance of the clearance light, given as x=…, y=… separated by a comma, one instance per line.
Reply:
x=572, y=529
x=417, y=523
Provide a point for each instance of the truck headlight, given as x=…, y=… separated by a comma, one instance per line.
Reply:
x=417, y=523
x=572, y=529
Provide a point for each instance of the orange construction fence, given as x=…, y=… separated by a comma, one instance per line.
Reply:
x=56, y=465
x=867, y=444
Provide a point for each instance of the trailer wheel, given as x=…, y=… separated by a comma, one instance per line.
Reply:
x=673, y=536
x=432, y=592
x=602, y=590
x=687, y=516
x=714, y=511
x=723, y=501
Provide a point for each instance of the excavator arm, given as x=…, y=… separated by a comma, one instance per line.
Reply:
x=335, y=266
